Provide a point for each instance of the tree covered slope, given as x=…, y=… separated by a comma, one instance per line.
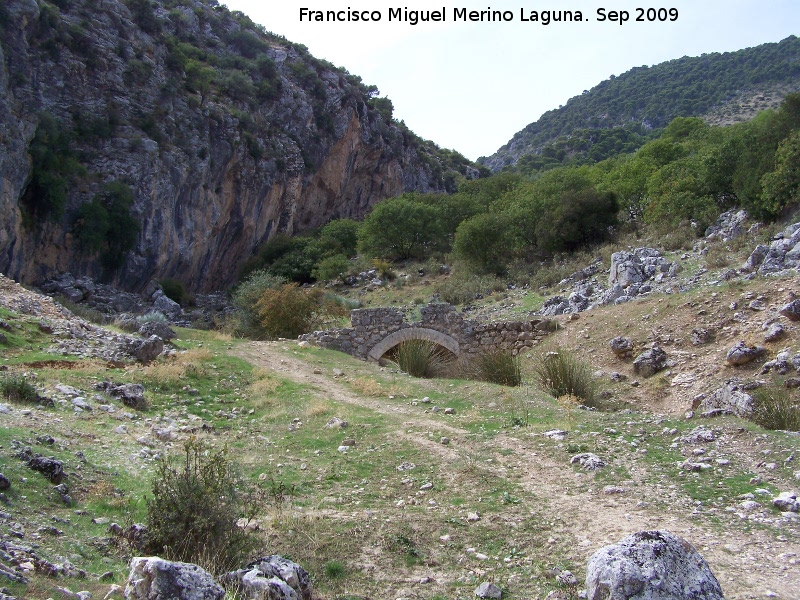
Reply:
x=620, y=114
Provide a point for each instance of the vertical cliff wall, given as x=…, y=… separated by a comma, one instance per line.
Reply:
x=224, y=133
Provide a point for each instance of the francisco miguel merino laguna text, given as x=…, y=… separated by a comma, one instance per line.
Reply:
x=544, y=17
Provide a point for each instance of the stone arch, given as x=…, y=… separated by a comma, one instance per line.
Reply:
x=413, y=333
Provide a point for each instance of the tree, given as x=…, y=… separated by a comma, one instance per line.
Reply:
x=340, y=236
x=200, y=78
x=781, y=187
x=486, y=242
x=107, y=225
x=399, y=228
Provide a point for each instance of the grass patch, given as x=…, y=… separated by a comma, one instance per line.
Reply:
x=561, y=373
x=421, y=358
x=18, y=389
x=775, y=408
x=499, y=366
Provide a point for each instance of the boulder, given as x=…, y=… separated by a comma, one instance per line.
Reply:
x=272, y=578
x=775, y=332
x=488, y=590
x=756, y=258
x=621, y=346
x=633, y=268
x=701, y=335
x=588, y=460
x=791, y=311
x=145, y=351
x=729, y=225
x=786, y=502
x=729, y=399
x=650, y=565
x=167, y=306
x=162, y=330
x=153, y=578
x=131, y=394
x=51, y=468
x=650, y=362
x=741, y=354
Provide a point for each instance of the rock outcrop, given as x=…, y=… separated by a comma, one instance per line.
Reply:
x=225, y=135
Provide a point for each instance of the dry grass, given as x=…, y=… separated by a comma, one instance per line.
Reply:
x=368, y=387
x=171, y=372
x=319, y=408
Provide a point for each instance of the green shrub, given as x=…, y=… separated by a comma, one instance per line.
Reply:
x=463, y=287
x=561, y=373
x=153, y=316
x=332, y=267
x=174, y=290
x=399, y=228
x=334, y=569
x=421, y=358
x=775, y=408
x=18, y=389
x=53, y=166
x=84, y=312
x=498, y=366
x=107, y=225
x=244, y=321
x=197, y=500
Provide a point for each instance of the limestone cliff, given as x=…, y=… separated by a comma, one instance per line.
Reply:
x=225, y=133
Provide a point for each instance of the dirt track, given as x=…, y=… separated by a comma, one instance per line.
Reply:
x=747, y=565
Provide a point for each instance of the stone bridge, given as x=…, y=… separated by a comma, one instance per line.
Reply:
x=375, y=331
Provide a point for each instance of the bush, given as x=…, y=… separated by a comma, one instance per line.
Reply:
x=486, y=242
x=53, y=166
x=332, y=267
x=107, y=224
x=289, y=311
x=174, y=290
x=463, y=287
x=245, y=297
x=775, y=408
x=153, y=316
x=197, y=500
x=421, y=358
x=19, y=389
x=498, y=366
x=86, y=313
x=561, y=373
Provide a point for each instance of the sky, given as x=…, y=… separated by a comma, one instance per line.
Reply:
x=470, y=86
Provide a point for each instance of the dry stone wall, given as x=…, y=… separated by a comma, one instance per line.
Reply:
x=375, y=331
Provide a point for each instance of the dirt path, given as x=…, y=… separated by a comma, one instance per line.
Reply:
x=750, y=565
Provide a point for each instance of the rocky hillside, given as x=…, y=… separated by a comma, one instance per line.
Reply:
x=169, y=139
x=620, y=114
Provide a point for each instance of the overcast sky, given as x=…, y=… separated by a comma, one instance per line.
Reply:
x=470, y=86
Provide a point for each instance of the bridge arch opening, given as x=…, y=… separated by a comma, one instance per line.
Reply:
x=448, y=343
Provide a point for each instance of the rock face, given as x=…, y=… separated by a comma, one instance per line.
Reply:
x=650, y=565
x=226, y=135
x=152, y=578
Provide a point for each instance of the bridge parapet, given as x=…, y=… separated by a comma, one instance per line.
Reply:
x=374, y=331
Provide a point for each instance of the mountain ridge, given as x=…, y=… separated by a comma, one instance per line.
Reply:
x=621, y=113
